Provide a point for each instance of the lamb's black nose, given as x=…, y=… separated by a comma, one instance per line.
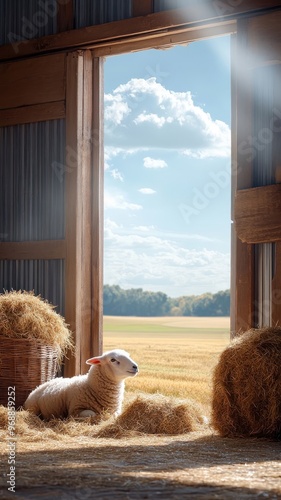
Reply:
x=135, y=367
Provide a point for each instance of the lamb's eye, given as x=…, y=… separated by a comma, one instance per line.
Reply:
x=113, y=360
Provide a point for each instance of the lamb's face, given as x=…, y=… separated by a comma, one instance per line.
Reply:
x=117, y=364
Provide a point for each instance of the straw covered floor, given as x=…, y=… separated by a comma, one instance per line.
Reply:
x=71, y=460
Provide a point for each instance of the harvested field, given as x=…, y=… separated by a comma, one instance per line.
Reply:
x=176, y=356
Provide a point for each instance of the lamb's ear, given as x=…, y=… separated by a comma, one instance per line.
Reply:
x=93, y=361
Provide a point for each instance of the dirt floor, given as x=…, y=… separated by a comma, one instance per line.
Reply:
x=71, y=462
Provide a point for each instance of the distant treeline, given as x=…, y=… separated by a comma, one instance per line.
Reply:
x=137, y=302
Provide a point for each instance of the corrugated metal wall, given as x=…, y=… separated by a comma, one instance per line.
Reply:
x=32, y=159
x=45, y=277
x=31, y=169
x=91, y=12
x=26, y=19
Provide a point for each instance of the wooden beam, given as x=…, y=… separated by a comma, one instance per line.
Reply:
x=245, y=288
x=276, y=287
x=85, y=230
x=32, y=114
x=65, y=16
x=244, y=301
x=33, y=81
x=78, y=310
x=33, y=250
x=142, y=7
x=97, y=205
x=74, y=122
x=265, y=38
x=202, y=13
x=233, y=236
x=258, y=214
x=165, y=41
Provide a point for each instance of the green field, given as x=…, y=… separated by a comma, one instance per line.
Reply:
x=176, y=356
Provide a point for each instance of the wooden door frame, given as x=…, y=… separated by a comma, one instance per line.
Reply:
x=84, y=206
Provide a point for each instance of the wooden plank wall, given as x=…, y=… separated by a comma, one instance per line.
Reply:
x=42, y=90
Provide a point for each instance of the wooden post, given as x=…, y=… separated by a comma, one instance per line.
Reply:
x=142, y=7
x=276, y=287
x=78, y=207
x=244, y=253
x=65, y=16
x=97, y=205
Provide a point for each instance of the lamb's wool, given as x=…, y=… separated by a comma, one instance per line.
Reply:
x=101, y=389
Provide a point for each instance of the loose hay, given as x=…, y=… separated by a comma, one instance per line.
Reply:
x=25, y=316
x=247, y=386
x=146, y=414
x=30, y=428
x=155, y=414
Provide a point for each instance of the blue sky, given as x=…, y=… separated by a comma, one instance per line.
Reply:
x=167, y=169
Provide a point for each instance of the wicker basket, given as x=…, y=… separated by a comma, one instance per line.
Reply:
x=24, y=365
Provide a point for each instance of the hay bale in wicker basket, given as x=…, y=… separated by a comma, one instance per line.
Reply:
x=33, y=340
x=247, y=386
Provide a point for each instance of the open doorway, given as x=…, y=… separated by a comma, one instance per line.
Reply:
x=167, y=203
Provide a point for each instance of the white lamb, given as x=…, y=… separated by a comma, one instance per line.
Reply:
x=102, y=388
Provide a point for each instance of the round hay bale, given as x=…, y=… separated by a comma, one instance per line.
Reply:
x=34, y=339
x=246, y=397
x=155, y=414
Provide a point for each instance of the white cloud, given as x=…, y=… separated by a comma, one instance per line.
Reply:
x=115, y=109
x=116, y=175
x=109, y=153
x=143, y=229
x=111, y=224
x=159, y=263
x=159, y=121
x=147, y=191
x=119, y=202
x=142, y=114
x=153, y=163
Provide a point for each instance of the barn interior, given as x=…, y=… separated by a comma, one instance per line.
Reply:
x=51, y=225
